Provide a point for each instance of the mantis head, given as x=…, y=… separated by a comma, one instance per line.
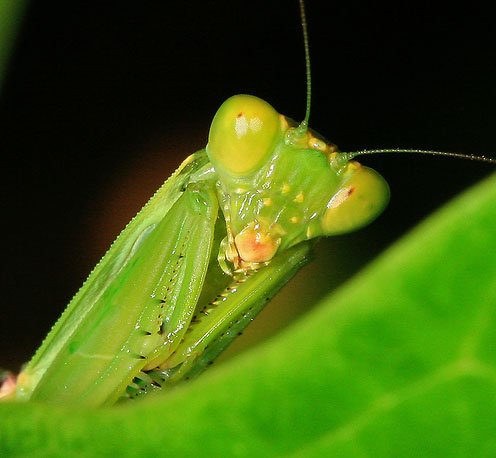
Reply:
x=280, y=184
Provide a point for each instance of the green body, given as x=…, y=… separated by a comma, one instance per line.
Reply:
x=202, y=258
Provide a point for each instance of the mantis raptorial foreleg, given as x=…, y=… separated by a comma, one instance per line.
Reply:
x=217, y=323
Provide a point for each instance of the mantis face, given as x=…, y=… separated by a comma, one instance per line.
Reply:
x=280, y=185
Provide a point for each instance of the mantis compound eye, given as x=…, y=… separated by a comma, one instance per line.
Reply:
x=361, y=198
x=242, y=135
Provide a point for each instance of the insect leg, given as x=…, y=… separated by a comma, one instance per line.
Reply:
x=217, y=323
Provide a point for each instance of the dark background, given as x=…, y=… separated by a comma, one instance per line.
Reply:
x=104, y=98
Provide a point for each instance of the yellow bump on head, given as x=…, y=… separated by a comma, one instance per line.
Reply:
x=285, y=188
x=294, y=219
x=284, y=123
x=331, y=149
x=243, y=134
x=317, y=143
x=267, y=201
x=333, y=156
x=299, y=198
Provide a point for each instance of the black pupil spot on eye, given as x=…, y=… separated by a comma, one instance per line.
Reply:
x=351, y=190
x=240, y=114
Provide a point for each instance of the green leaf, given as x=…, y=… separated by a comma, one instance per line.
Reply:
x=400, y=362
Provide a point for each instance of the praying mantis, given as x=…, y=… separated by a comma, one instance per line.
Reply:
x=240, y=230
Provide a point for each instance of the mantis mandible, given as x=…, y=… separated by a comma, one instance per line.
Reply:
x=243, y=214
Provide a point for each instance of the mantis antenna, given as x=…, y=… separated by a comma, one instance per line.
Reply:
x=304, y=123
x=302, y=128
x=472, y=157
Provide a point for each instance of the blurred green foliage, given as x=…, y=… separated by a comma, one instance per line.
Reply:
x=11, y=12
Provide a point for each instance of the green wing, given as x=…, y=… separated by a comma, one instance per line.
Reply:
x=91, y=346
